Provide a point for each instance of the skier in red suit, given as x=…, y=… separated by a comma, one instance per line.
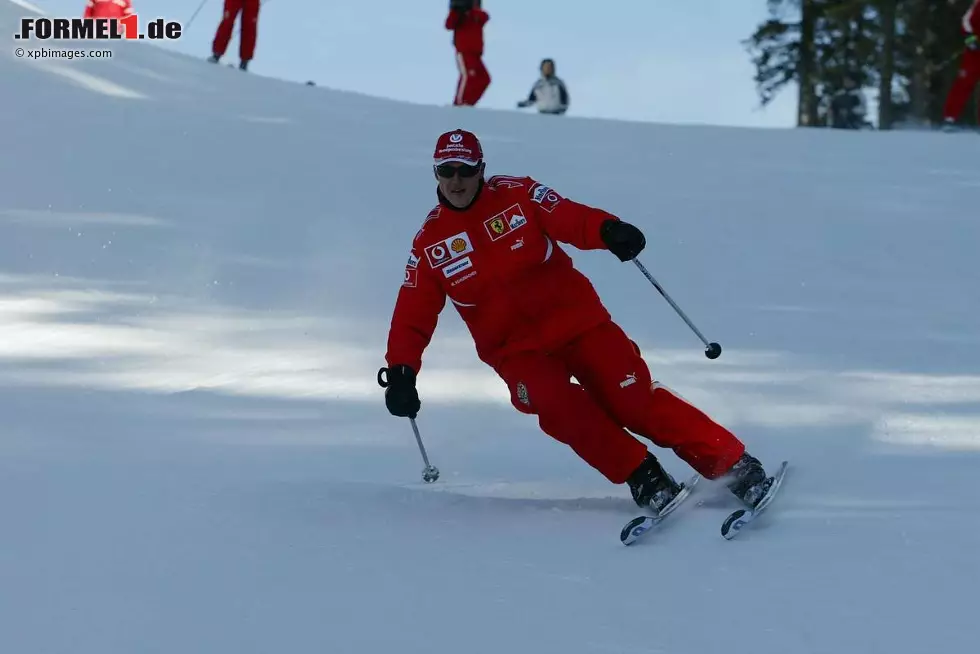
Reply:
x=969, y=73
x=108, y=9
x=467, y=26
x=250, y=22
x=490, y=247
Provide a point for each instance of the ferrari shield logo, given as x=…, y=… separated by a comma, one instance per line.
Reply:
x=497, y=225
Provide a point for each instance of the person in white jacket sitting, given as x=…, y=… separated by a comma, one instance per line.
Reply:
x=548, y=93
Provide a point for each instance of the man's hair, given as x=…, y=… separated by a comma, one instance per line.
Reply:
x=461, y=5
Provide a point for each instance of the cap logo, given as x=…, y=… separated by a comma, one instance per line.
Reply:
x=455, y=138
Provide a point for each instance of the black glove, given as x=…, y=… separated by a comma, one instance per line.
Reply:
x=401, y=396
x=622, y=239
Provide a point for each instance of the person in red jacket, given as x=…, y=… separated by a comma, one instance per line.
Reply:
x=250, y=23
x=490, y=247
x=969, y=73
x=466, y=19
x=108, y=9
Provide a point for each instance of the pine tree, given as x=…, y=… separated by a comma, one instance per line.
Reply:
x=908, y=49
x=887, y=20
x=782, y=51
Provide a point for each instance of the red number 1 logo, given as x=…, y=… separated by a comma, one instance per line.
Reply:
x=131, y=23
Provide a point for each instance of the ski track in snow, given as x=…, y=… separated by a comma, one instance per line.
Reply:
x=195, y=456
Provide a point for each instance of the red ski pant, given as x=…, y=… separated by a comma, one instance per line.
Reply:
x=250, y=22
x=473, y=79
x=967, y=78
x=615, y=394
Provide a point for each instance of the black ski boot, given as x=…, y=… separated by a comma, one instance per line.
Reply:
x=652, y=486
x=748, y=480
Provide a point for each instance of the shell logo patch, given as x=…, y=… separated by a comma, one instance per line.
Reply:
x=441, y=253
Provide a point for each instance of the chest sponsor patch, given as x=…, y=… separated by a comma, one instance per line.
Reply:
x=441, y=253
x=505, y=222
x=544, y=196
x=457, y=267
x=411, y=278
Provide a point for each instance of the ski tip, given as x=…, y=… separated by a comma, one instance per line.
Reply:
x=734, y=522
x=634, y=529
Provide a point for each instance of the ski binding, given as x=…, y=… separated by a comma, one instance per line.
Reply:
x=742, y=517
x=640, y=525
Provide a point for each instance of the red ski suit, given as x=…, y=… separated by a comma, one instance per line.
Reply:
x=969, y=75
x=468, y=40
x=250, y=24
x=537, y=321
x=108, y=9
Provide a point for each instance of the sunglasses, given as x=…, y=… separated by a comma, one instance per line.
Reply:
x=446, y=171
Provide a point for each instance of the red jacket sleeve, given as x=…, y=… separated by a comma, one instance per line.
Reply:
x=452, y=19
x=479, y=16
x=88, y=9
x=566, y=220
x=417, y=308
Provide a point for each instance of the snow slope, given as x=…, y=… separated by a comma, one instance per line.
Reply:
x=197, y=268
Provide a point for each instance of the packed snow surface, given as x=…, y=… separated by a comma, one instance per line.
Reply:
x=197, y=270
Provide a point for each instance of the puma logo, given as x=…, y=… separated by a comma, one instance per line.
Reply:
x=629, y=381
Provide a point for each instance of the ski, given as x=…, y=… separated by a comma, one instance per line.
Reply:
x=742, y=517
x=640, y=525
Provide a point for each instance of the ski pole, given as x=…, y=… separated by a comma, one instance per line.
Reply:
x=712, y=350
x=430, y=473
x=199, y=7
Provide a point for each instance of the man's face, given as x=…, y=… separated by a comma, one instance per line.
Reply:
x=548, y=69
x=459, y=182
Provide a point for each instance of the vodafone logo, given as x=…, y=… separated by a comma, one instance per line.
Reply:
x=455, y=138
x=448, y=249
x=438, y=253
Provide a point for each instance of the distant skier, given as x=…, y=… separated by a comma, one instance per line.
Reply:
x=490, y=246
x=969, y=73
x=108, y=9
x=549, y=92
x=847, y=108
x=249, y=28
x=466, y=19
